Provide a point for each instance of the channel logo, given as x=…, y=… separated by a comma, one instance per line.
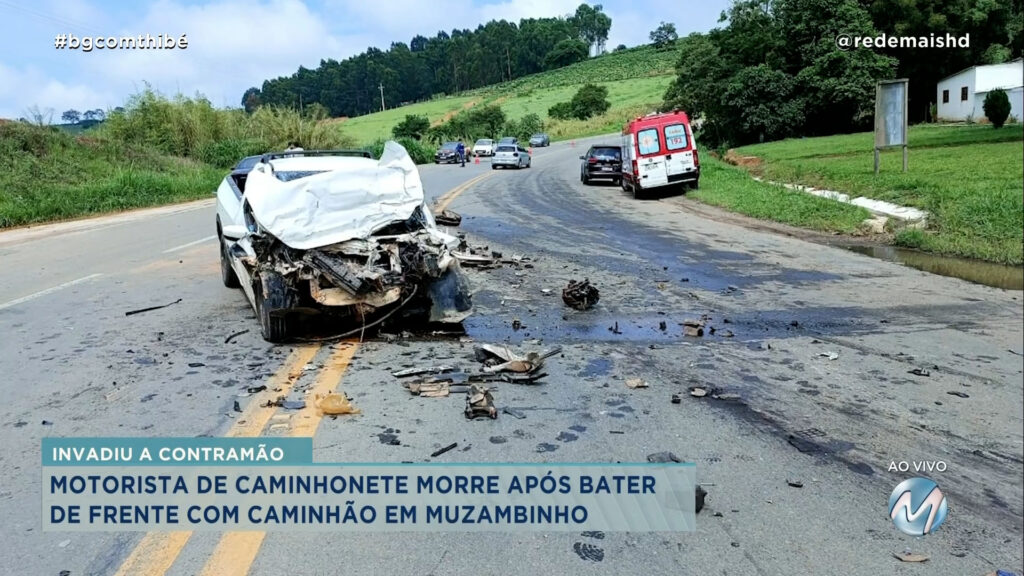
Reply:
x=917, y=506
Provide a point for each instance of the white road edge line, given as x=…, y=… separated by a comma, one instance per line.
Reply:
x=190, y=244
x=24, y=299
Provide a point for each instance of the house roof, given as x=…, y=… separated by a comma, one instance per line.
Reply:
x=1015, y=79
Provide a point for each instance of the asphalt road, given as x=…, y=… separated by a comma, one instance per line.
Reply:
x=73, y=364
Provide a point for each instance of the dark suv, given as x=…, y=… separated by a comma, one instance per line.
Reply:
x=602, y=161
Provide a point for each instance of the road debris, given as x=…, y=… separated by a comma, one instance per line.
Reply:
x=514, y=413
x=501, y=359
x=419, y=371
x=151, y=308
x=700, y=494
x=479, y=403
x=336, y=404
x=580, y=295
x=727, y=334
x=238, y=407
x=693, y=328
x=958, y=394
x=662, y=457
x=829, y=355
x=196, y=364
x=448, y=218
x=699, y=391
x=255, y=389
x=235, y=335
x=615, y=329
x=909, y=557
x=430, y=389
x=795, y=483
x=447, y=448
x=635, y=383
x=919, y=372
x=677, y=399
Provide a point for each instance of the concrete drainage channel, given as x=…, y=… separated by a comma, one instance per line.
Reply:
x=882, y=211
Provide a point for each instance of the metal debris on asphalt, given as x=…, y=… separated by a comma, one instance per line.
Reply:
x=919, y=372
x=430, y=389
x=909, y=557
x=698, y=391
x=795, y=483
x=662, y=457
x=958, y=394
x=693, y=328
x=580, y=295
x=419, y=371
x=336, y=404
x=238, y=408
x=255, y=389
x=829, y=355
x=447, y=448
x=235, y=335
x=677, y=399
x=636, y=383
x=480, y=403
x=448, y=218
x=141, y=310
x=514, y=413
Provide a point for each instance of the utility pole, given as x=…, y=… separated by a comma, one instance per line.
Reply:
x=382, y=97
x=508, y=58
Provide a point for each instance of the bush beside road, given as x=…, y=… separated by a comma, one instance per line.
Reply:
x=51, y=175
x=967, y=177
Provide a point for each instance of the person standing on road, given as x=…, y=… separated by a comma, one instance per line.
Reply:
x=460, y=149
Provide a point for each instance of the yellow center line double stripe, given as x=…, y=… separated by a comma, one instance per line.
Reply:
x=236, y=551
x=446, y=199
x=157, y=551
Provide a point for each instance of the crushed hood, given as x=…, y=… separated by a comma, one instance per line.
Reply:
x=339, y=205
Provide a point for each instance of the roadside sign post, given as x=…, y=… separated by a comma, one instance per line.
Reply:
x=891, y=118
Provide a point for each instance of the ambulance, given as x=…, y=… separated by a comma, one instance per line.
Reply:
x=658, y=150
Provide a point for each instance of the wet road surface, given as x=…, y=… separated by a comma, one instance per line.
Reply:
x=782, y=309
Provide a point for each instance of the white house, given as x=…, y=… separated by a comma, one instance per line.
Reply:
x=961, y=95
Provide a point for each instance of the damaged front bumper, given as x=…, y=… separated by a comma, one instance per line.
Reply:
x=364, y=279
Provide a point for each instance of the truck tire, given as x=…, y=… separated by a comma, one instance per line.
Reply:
x=272, y=303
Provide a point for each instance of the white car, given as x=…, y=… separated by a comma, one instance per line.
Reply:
x=337, y=233
x=511, y=155
x=483, y=147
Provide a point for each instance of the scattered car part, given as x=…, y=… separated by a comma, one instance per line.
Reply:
x=336, y=404
x=581, y=295
x=447, y=448
x=448, y=218
x=140, y=311
x=480, y=403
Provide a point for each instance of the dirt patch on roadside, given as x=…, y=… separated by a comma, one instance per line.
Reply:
x=751, y=163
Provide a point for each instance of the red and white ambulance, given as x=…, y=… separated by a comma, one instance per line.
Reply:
x=658, y=150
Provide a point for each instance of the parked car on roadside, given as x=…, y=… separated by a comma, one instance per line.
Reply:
x=337, y=234
x=483, y=147
x=540, y=140
x=447, y=153
x=601, y=161
x=510, y=155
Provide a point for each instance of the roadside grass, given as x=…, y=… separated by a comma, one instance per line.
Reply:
x=732, y=188
x=969, y=178
x=52, y=175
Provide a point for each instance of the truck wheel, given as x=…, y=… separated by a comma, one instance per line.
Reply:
x=227, y=273
x=272, y=304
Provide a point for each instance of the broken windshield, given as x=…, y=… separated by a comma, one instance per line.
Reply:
x=288, y=176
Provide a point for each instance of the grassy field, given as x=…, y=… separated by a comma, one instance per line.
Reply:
x=636, y=78
x=50, y=175
x=968, y=177
x=732, y=188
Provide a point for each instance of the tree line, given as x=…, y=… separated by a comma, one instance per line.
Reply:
x=446, y=63
x=774, y=69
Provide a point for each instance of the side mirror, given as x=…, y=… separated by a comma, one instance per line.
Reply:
x=237, y=251
x=583, y=157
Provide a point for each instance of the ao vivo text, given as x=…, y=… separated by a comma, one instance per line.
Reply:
x=917, y=466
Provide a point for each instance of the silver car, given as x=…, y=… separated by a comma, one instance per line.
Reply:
x=510, y=155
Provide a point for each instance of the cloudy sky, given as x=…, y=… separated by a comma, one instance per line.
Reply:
x=235, y=44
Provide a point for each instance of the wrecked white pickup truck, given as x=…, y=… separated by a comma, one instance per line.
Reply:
x=336, y=232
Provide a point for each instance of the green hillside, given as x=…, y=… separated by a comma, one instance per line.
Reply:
x=636, y=79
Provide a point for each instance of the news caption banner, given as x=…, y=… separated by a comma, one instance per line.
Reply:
x=273, y=484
